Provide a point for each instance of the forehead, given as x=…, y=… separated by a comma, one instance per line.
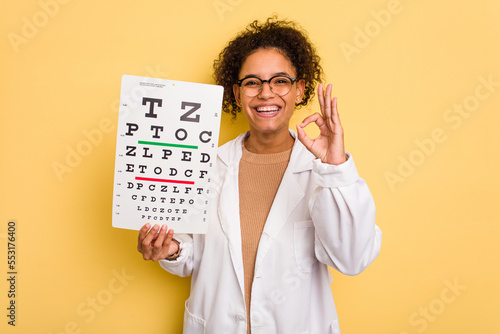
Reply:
x=265, y=63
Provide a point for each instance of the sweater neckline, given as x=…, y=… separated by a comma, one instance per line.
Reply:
x=265, y=159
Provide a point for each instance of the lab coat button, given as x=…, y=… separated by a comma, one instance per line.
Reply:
x=240, y=317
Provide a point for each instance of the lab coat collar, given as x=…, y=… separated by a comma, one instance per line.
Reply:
x=231, y=152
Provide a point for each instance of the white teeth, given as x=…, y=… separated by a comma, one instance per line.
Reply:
x=267, y=109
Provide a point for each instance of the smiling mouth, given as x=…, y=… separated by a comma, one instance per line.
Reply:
x=267, y=110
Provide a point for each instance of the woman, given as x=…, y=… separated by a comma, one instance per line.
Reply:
x=287, y=205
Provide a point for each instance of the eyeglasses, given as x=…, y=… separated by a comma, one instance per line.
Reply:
x=279, y=84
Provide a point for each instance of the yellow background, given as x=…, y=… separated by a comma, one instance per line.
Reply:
x=438, y=206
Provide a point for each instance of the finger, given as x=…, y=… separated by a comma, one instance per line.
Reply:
x=168, y=240
x=158, y=244
x=142, y=234
x=321, y=97
x=335, y=113
x=304, y=139
x=314, y=118
x=336, y=118
x=147, y=241
x=319, y=121
x=327, y=111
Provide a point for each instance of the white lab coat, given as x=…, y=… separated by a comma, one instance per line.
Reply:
x=322, y=215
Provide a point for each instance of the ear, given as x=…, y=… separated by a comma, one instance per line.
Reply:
x=237, y=92
x=301, y=87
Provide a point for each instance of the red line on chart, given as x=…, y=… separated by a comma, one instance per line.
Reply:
x=163, y=180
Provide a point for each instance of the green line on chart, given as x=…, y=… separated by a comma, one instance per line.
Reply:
x=167, y=144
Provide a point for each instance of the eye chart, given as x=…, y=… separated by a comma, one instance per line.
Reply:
x=166, y=151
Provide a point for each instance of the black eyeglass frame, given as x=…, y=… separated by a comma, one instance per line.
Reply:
x=239, y=82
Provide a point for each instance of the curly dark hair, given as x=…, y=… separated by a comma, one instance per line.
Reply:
x=285, y=36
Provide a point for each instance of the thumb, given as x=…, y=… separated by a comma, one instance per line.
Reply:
x=304, y=139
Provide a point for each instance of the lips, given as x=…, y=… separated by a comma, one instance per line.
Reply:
x=268, y=110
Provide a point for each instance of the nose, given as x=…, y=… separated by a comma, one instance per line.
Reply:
x=266, y=92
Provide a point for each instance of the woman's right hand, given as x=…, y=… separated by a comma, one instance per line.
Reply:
x=156, y=246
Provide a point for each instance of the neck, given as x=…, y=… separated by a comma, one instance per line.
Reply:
x=268, y=143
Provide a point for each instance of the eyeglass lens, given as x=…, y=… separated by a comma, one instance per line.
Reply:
x=279, y=85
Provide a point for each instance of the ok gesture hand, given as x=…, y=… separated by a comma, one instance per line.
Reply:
x=329, y=145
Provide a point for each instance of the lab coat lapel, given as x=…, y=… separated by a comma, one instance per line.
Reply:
x=289, y=194
x=229, y=207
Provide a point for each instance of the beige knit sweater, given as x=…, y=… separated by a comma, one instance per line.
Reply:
x=259, y=178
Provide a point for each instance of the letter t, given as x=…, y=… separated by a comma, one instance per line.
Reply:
x=152, y=101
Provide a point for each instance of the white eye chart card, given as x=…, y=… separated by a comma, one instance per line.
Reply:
x=166, y=149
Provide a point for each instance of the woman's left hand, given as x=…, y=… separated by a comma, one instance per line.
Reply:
x=329, y=145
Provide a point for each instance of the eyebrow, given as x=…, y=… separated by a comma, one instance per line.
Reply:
x=256, y=76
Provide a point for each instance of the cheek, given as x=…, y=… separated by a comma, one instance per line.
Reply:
x=290, y=101
x=245, y=102
x=247, y=111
